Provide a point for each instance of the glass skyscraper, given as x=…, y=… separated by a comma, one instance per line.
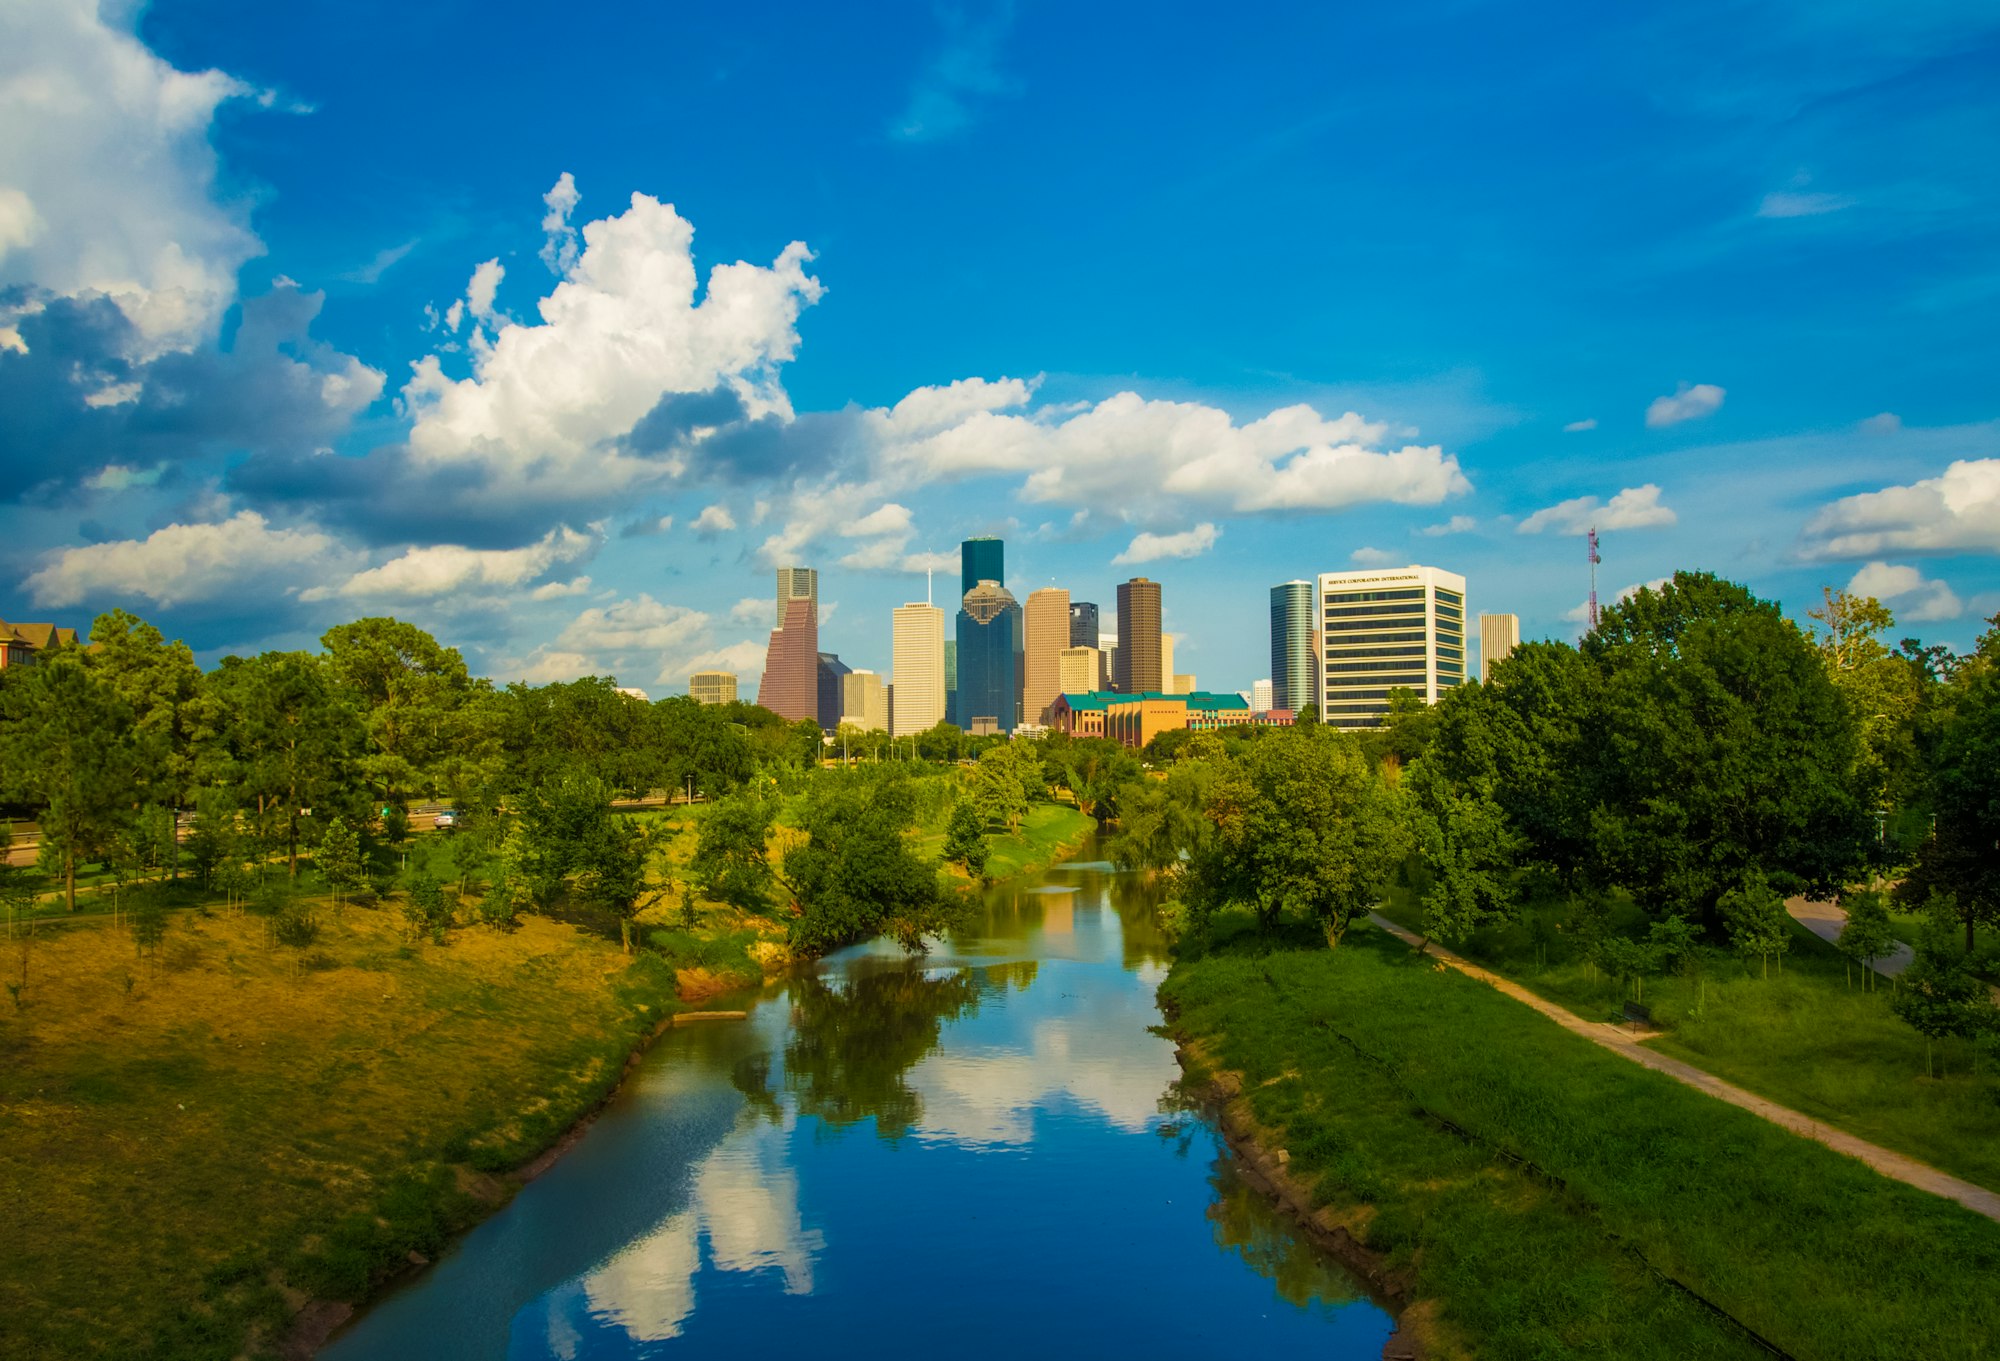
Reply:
x=1293, y=656
x=980, y=560
x=989, y=659
x=1082, y=624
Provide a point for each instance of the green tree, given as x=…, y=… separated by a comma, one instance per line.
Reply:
x=66, y=745
x=1958, y=861
x=213, y=838
x=1758, y=924
x=1720, y=747
x=149, y=926
x=1463, y=839
x=408, y=689
x=1866, y=936
x=856, y=874
x=965, y=840
x=1303, y=828
x=731, y=858
x=339, y=859
x=1939, y=996
x=424, y=906
x=1007, y=778
x=611, y=867
x=157, y=682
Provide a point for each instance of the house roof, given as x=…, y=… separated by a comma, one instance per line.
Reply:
x=37, y=636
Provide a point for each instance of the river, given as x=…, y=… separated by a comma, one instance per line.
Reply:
x=979, y=1152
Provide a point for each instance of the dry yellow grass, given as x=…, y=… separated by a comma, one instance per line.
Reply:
x=182, y=1136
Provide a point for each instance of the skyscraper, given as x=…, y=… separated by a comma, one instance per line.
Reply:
x=1387, y=630
x=1292, y=652
x=1047, y=622
x=1167, y=663
x=981, y=559
x=1137, y=665
x=829, y=699
x=1499, y=635
x=1261, y=700
x=951, y=681
x=1082, y=624
x=989, y=648
x=790, y=684
x=797, y=583
x=917, y=668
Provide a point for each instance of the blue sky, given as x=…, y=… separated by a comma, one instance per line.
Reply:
x=313, y=311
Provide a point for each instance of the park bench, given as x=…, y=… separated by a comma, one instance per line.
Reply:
x=1638, y=1014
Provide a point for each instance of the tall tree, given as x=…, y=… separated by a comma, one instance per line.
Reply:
x=856, y=875
x=1959, y=859
x=731, y=860
x=157, y=680
x=409, y=689
x=1304, y=828
x=1721, y=746
x=66, y=745
x=295, y=741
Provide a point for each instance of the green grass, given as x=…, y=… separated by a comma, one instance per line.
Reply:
x=1807, y=1037
x=1543, y=1192
x=190, y=1141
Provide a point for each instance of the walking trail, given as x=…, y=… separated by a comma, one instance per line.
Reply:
x=1622, y=1043
x=1825, y=920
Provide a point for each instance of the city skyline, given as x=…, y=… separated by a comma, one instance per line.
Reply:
x=258, y=385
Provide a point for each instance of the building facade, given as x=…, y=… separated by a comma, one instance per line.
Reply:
x=1499, y=635
x=829, y=700
x=797, y=583
x=981, y=559
x=1045, y=623
x=989, y=659
x=1294, y=658
x=864, y=702
x=1387, y=630
x=1260, y=697
x=951, y=681
x=1137, y=667
x=1081, y=670
x=790, y=687
x=712, y=687
x=1083, y=628
x=917, y=666
x=24, y=644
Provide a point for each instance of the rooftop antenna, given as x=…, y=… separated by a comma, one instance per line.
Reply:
x=1593, y=578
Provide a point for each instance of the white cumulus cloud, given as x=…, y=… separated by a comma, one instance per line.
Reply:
x=1632, y=508
x=1150, y=547
x=1913, y=596
x=184, y=564
x=559, y=244
x=1457, y=524
x=542, y=415
x=485, y=286
x=1147, y=456
x=436, y=570
x=1686, y=404
x=712, y=521
x=1372, y=557
x=1958, y=511
x=107, y=176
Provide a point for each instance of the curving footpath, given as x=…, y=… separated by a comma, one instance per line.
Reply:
x=1620, y=1042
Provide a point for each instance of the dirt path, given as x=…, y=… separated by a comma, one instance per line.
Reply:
x=1825, y=920
x=1622, y=1043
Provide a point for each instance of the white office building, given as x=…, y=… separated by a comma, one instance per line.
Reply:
x=1260, y=697
x=1385, y=630
x=917, y=668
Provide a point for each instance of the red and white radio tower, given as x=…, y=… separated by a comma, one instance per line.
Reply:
x=1593, y=577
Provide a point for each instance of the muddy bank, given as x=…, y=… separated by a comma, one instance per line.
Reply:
x=1265, y=1166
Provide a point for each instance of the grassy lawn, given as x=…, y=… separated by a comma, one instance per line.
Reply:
x=172, y=1129
x=1556, y=1201
x=1806, y=1037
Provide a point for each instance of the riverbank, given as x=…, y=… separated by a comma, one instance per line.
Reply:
x=1548, y=1200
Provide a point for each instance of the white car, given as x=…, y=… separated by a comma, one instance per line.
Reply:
x=447, y=820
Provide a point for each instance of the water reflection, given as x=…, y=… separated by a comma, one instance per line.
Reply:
x=895, y=1137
